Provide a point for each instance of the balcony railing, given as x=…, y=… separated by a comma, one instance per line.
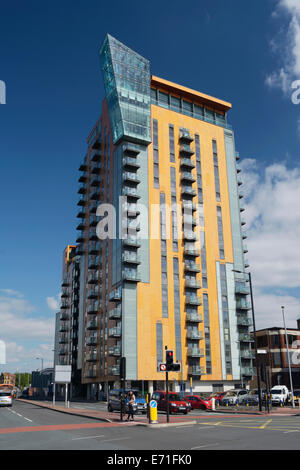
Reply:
x=244, y=321
x=194, y=318
x=92, y=340
x=91, y=356
x=194, y=335
x=195, y=352
x=245, y=337
x=114, y=351
x=196, y=370
x=192, y=284
x=187, y=162
x=186, y=149
x=240, y=305
x=115, y=314
x=247, y=354
x=193, y=267
x=130, y=162
x=115, y=332
x=131, y=258
x=114, y=370
x=248, y=371
x=193, y=300
x=130, y=276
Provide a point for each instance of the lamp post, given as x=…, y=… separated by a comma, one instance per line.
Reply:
x=288, y=356
x=254, y=334
x=41, y=384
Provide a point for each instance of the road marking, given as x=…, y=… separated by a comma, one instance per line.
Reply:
x=265, y=424
x=295, y=430
x=207, y=445
x=117, y=439
x=206, y=427
x=190, y=426
x=89, y=437
x=20, y=415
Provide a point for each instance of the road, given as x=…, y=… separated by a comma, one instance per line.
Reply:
x=28, y=427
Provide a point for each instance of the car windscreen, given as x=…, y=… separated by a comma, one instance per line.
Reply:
x=175, y=397
x=277, y=391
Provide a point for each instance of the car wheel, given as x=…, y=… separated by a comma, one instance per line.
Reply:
x=109, y=408
x=185, y=412
x=203, y=407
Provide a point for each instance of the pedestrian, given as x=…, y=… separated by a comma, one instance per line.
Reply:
x=131, y=401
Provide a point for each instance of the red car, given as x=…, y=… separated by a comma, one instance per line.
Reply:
x=217, y=396
x=198, y=403
x=176, y=403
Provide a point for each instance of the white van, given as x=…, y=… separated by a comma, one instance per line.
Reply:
x=279, y=394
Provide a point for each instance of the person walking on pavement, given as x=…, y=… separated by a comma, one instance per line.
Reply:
x=131, y=401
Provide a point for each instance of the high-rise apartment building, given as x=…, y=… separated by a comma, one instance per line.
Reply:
x=161, y=178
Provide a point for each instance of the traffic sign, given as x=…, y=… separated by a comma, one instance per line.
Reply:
x=162, y=367
x=153, y=404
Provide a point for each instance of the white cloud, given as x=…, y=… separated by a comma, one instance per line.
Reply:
x=273, y=218
x=288, y=45
x=52, y=303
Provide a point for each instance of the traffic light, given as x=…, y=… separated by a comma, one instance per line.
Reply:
x=169, y=359
x=175, y=367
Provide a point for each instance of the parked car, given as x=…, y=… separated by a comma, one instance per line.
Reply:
x=297, y=397
x=252, y=398
x=217, y=396
x=114, y=402
x=5, y=398
x=280, y=394
x=198, y=403
x=177, y=404
x=233, y=396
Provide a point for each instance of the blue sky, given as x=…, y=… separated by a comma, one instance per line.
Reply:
x=49, y=61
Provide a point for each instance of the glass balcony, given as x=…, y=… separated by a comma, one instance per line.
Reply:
x=63, y=350
x=93, y=308
x=188, y=191
x=242, y=289
x=131, y=177
x=94, y=293
x=115, y=295
x=195, y=352
x=243, y=221
x=189, y=235
x=130, y=192
x=63, y=339
x=247, y=354
x=81, y=213
x=191, y=284
x=94, y=247
x=248, y=371
x=91, y=357
x=80, y=249
x=191, y=252
x=242, y=304
x=194, y=334
x=93, y=278
x=91, y=340
x=130, y=150
x=193, y=300
x=192, y=267
x=115, y=332
x=131, y=276
x=65, y=305
x=130, y=162
x=194, y=318
x=82, y=201
x=64, y=316
x=186, y=176
x=96, y=157
x=186, y=149
x=90, y=373
x=82, y=178
x=185, y=136
x=95, y=141
x=114, y=351
x=244, y=321
x=83, y=166
x=196, y=370
x=82, y=189
x=91, y=325
x=65, y=282
x=115, y=314
x=187, y=162
x=245, y=337
x=81, y=226
x=114, y=370
x=131, y=258
x=96, y=168
x=131, y=242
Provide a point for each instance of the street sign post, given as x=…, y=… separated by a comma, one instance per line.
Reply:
x=153, y=411
x=62, y=375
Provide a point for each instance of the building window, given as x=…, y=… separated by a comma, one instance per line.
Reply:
x=220, y=233
x=207, y=333
x=155, y=155
x=203, y=259
x=164, y=266
x=216, y=168
x=177, y=314
x=159, y=343
x=171, y=143
x=174, y=209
